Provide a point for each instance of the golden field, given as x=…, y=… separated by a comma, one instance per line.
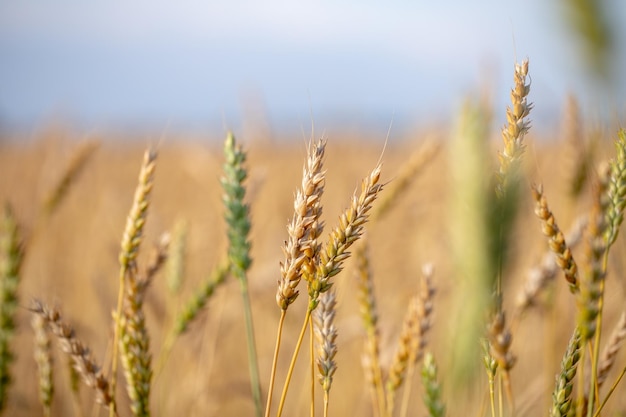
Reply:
x=71, y=261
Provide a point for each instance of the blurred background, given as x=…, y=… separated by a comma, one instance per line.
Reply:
x=198, y=65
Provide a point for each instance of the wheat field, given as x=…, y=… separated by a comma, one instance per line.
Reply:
x=70, y=243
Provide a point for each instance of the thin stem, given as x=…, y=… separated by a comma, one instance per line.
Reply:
x=292, y=365
x=608, y=395
x=279, y=333
x=255, y=381
x=326, y=401
x=312, y=365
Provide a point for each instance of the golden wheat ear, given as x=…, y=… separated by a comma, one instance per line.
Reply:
x=78, y=160
x=556, y=239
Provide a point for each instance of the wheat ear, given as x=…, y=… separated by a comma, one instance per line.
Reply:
x=406, y=345
x=131, y=240
x=11, y=255
x=500, y=339
x=562, y=395
x=351, y=226
x=301, y=248
x=88, y=370
x=76, y=164
x=556, y=240
x=335, y=252
x=237, y=215
x=369, y=318
x=425, y=295
x=43, y=359
x=134, y=337
x=326, y=335
x=407, y=175
x=432, y=388
x=576, y=156
x=515, y=129
x=591, y=299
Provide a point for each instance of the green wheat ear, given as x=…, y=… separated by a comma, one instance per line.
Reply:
x=11, y=254
x=432, y=388
x=237, y=217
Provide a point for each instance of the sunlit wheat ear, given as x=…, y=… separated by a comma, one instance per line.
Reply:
x=43, y=359
x=77, y=162
x=404, y=351
x=419, y=341
x=607, y=360
x=591, y=281
x=515, y=129
x=576, y=155
x=556, y=240
x=89, y=372
x=350, y=229
x=11, y=255
x=326, y=335
x=134, y=338
x=131, y=241
x=133, y=232
x=617, y=190
x=302, y=247
x=369, y=318
x=407, y=175
x=562, y=395
x=432, y=388
x=540, y=276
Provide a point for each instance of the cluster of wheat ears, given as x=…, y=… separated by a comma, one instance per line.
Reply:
x=487, y=202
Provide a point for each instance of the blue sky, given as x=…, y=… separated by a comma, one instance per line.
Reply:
x=202, y=63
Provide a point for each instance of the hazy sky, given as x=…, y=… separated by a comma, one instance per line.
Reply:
x=197, y=63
